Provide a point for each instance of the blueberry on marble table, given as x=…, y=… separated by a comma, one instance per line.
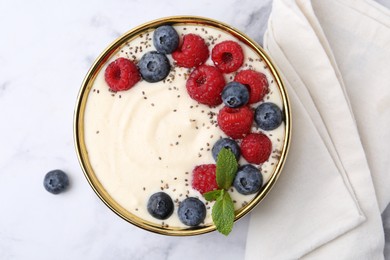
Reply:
x=56, y=181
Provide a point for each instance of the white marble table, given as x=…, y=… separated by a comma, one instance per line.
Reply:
x=46, y=49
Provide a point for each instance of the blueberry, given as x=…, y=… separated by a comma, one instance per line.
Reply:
x=192, y=211
x=226, y=143
x=165, y=39
x=160, y=205
x=235, y=94
x=154, y=66
x=248, y=179
x=268, y=116
x=56, y=181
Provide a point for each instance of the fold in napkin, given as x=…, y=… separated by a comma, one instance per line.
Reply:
x=334, y=57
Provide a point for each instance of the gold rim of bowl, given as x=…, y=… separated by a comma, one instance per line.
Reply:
x=86, y=86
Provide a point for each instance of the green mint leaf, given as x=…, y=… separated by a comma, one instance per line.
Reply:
x=223, y=213
x=226, y=168
x=212, y=195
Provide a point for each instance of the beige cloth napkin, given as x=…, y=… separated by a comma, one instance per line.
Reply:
x=334, y=57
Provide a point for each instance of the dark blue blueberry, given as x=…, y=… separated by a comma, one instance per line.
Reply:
x=165, y=39
x=160, y=205
x=235, y=94
x=226, y=143
x=248, y=179
x=154, y=66
x=268, y=116
x=192, y=212
x=56, y=181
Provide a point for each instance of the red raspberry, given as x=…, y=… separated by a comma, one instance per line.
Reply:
x=235, y=122
x=256, y=82
x=205, y=85
x=227, y=56
x=256, y=148
x=203, y=178
x=121, y=74
x=192, y=52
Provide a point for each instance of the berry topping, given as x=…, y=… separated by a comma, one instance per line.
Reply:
x=256, y=82
x=227, y=56
x=121, y=74
x=203, y=178
x=192, y=212
x=154, y=66
x=256, y=148
x=205, y=85
x=165, y=39
x=268, y=116
x=235, y=122
x=192, y=52
x=56, y=181
x=248, y=179
x=235, y=94
x=160, y=205
x=226, y=143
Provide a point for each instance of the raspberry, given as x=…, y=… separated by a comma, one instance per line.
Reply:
x=235, y=122
x=256, y=148
x=205, y=85
x=121, y=74
x=227, y=56
x=256, y=82
x=192, y=52
x=203, y=178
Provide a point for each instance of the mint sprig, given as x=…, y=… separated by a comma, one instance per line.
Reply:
x=212, y=195
x=226, y=168
x=223, y=213
x=223, y=209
